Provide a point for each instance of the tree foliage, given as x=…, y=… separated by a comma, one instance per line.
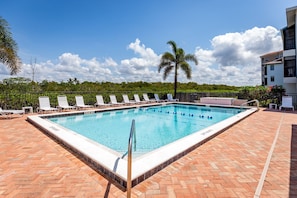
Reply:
x=174, y=61
x=264, y=95
x=8, y=48
x=18, y=92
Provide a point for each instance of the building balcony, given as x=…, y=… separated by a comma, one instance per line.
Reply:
x=290, y=80
x=291, y=52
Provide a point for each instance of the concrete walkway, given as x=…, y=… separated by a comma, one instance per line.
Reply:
x=255, y=158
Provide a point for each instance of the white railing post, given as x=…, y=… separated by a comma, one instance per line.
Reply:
x=129, y=167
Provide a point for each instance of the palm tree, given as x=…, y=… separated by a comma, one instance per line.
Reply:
x=8, y=49
x=175, y=61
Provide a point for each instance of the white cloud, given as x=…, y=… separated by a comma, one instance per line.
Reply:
x=109, y=62
x=234, y=59
x=148, y=58
x=70, y=66
x=142, y=68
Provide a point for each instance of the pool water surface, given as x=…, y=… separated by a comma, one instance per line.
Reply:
x=155, y=126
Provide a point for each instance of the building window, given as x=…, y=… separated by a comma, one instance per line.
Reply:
x=272, y=79
x=290, y=68
x=289, y=38
x=271, y=67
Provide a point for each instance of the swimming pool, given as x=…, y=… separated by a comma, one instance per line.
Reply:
x=188, y=126
x=155, y=126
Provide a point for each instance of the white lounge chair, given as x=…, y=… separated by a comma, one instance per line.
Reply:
x=287, y=103
x=10, y=112
x=100, y=101
x=137, y=99
x=126, y=99
x=158, y=99
x=63, y=103
x=171, y=99
x=44, y=104
x=113, y=100
x=147, y=99
x=80, y=103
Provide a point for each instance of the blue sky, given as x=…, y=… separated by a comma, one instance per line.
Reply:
x=123, y=40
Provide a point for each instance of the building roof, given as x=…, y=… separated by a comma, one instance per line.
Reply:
x=291, y=15
x=274, y=62
x=272, y=53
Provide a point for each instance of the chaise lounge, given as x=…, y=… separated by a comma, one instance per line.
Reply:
x=127, y=101
x=10, y=112
x=80, y=103
x=137, y=99
x=100, y=101
x=63, y=103
x=158, y=99
x=147, y=99
x=287, y=103
x=171, y=99
x=44, y=104
x=113, y=100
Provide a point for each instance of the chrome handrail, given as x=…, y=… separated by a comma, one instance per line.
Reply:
x=129, y=168
x=251, y=101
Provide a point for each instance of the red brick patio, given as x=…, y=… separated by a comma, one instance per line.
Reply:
x=230, y=165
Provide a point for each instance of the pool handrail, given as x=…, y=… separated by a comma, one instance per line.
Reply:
x=129, y=167
x=251, y=101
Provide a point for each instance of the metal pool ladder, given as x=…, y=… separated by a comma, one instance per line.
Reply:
x=132, y=137
x=251, y=101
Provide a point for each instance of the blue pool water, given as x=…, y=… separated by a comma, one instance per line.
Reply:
x=156, y=126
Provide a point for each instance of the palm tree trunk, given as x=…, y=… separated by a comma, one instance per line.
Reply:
x=175, y=80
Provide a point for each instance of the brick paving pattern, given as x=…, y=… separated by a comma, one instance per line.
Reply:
x=230, y=165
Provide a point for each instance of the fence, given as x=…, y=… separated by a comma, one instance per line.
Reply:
x=192, y=97
x=17, y=100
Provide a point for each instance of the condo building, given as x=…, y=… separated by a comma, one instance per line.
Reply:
x=279, y=68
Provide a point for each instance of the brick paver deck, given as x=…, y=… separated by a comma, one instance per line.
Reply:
x=230, y=165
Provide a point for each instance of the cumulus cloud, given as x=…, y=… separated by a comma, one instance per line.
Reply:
x=142, y=68
x=233, y=59
x=148, y=57
x=70, y=66
x=239, y=48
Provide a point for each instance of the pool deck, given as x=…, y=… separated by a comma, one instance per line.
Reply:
x=257, y=157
